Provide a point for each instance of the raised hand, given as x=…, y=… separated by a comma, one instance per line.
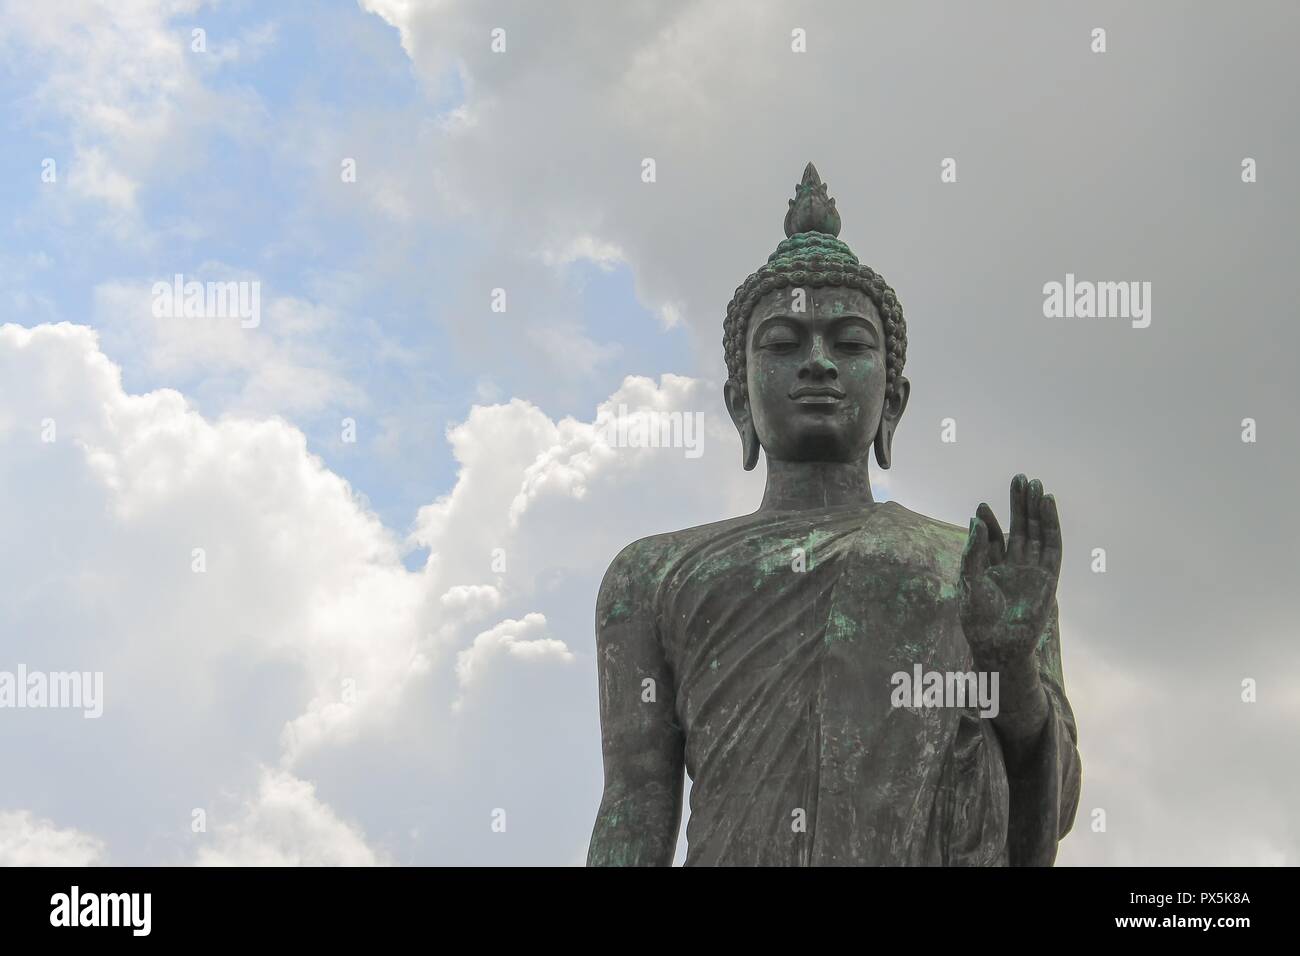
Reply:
x=1007, y=589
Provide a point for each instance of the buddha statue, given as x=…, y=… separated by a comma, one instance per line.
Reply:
x=761, y=654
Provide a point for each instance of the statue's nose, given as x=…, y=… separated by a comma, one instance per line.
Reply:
x=819, y=364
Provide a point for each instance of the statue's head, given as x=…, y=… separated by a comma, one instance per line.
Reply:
x=815, y=343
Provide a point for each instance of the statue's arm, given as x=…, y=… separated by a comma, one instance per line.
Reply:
x=1010, y=619
x=641, y=742
x=1043, y=772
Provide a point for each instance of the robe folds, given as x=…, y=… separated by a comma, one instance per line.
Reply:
x=778, y=634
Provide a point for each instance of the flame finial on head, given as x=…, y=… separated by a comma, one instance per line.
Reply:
x=811, y=210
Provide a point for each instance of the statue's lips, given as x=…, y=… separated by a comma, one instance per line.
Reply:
x=817, y=394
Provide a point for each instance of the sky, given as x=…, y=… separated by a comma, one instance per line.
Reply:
x=402, y=499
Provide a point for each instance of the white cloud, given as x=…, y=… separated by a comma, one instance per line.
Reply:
x=297, y=571
x=125, y=78
x=27, y=840
x=305, y=637
x=401, y=13
x=606, y=255
x=287, y=825
x=94, y=177
x=524, y=639
x=521, y=474
x=281, y=365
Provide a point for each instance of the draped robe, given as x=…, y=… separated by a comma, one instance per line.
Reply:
x=781, y=683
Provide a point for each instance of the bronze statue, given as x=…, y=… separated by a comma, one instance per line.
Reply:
x=764, y=654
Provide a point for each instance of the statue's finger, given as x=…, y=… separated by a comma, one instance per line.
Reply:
x=1051, y=559
x=1019, y=519
x=1034, y=535
x=975, y=557
x=997, y=543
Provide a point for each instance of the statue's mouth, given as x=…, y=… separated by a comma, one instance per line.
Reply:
x=817, y=394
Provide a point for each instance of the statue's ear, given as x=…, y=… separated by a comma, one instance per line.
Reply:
x=737, y=400
x=893, y=411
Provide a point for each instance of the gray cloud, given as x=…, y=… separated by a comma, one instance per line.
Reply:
x=1122, y=166
x=1118, y=166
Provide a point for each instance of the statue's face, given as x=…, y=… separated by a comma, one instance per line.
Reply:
x=816, y=376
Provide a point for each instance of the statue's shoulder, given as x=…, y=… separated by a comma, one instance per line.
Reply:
x=654, y=553
x=918, y=538
x=636, y=572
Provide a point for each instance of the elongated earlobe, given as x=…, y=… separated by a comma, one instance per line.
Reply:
x=749, y=446
x=889, y=419
x=884, y=442
x=738, y=407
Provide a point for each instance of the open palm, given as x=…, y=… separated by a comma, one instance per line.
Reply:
x=1007, y=588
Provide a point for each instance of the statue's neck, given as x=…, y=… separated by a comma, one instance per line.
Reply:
x=811, y=485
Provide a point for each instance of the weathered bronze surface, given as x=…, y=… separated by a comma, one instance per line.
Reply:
x=762, y=654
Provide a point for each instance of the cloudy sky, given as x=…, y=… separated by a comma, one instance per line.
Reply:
x=391, y=639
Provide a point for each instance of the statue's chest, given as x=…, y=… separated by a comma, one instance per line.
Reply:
x=783, y=615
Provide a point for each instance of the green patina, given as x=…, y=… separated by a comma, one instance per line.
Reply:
x=840, y=627
x=778, y=557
